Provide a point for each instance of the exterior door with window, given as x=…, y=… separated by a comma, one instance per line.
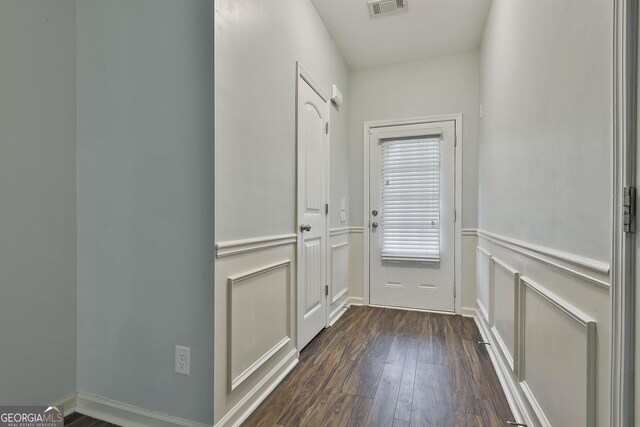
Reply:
x=412, y=216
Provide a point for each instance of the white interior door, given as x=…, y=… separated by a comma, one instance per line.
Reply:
x=412, y=216
x=313, y=156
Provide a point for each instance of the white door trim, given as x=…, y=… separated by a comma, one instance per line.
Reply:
x=457, y=118
x=622, y=295
x=302, y=73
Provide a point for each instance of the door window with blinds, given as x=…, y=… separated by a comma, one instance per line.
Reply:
x=410, y=198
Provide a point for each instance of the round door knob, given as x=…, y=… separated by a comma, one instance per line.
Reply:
x=374, y=225
x=305, y=227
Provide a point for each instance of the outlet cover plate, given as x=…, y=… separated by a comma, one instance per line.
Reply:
x=183, y=360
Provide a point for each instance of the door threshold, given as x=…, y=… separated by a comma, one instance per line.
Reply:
x=423, y=310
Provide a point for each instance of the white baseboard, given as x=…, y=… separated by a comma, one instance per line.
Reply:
x=355, y=301
x=241, y=411
x=509, y=384
x=468, y=312
x=126, y=415
x=68, y=403
x=337, y=313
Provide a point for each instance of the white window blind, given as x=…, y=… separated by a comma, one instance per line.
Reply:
x=410, y=217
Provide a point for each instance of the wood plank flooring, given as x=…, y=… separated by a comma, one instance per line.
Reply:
x=79, y=420
x=385, y=367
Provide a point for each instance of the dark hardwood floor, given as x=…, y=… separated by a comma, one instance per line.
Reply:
x=384, y=367
x=79, y=420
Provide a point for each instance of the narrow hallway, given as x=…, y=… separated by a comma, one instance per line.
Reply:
x=379, y=366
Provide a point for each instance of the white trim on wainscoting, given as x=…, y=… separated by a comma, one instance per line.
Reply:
x=337, y=314
x=235, y=382
x=583, y=320
x=560, y=260
x=469, y=232
x=126, y=415
x=509, y=386
x=339, y=295
x=68, y=403
x=237, y=247
x=338, y=231
x=250, y=402
x=599, y=267
x=354, y=301
x=468, y=312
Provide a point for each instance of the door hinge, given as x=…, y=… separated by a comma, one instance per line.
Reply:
x=326, y=128
x=326, y=208
x=454, y=291
x=629, y=210
x=455, y=215
x=326, y=290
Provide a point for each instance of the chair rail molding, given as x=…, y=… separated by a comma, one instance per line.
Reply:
x=594, y=272
x=237, y=247
x=338, y=231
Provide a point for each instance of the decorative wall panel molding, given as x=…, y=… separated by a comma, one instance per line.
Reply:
x=505, y=310
x=591, y=271
x=559, y=371
x=339, y=270
x=257, y=298
x=241, y=410
x=237, y=247
x=484, y=281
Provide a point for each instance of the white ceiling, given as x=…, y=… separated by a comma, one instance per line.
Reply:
x=428, y=28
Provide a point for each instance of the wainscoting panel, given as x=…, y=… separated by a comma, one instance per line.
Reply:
x=546, y=317
x=339, y=270
x=483, y=290
x=505, y=306
x=559, y=366
x=338, y=273
x=356, y=265
x=254, y=343
x=258, y=297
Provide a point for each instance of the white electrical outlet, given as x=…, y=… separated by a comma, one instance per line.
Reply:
x=183, y=360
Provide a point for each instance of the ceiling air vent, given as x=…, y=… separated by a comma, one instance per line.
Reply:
x=382, y=7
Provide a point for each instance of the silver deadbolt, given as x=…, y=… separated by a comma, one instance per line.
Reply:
x=374, y=225
x=374, y=212
x=305, y=227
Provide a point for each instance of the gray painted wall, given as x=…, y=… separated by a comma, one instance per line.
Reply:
x=546, y=136
x=37, y=201
x=257, y=45
x=429, y=87
x=145, y=202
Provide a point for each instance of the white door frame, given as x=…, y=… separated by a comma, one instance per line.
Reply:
x=457, y=118
x=302, y=73
x=622, y=294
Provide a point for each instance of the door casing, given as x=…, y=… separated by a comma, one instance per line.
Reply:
x=368, y=126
